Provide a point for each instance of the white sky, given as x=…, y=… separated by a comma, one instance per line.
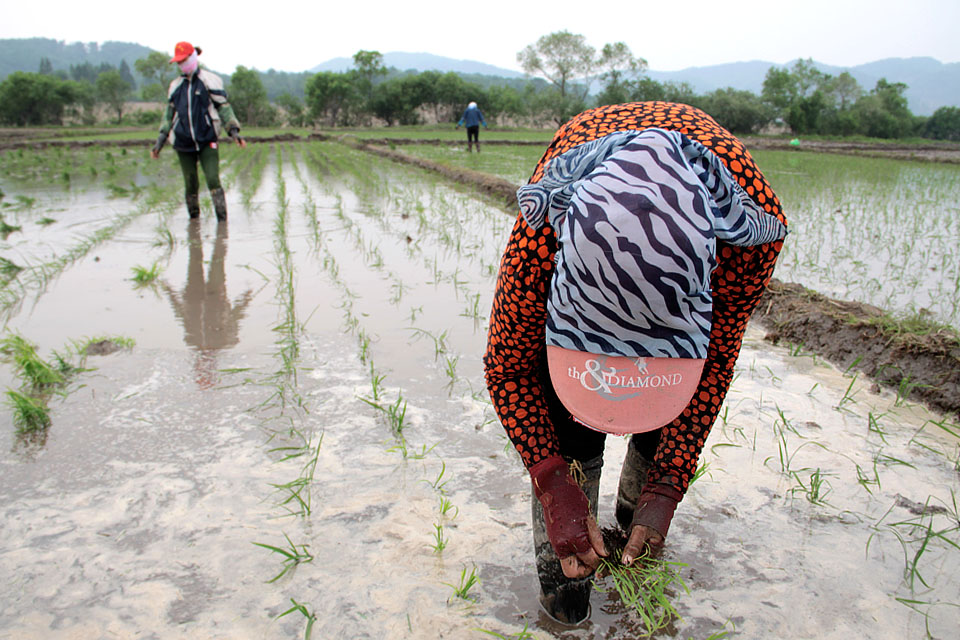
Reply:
x=671, y=35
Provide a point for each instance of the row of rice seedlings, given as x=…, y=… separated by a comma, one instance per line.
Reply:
x=468, y=579
x=297, y=443
x=872, y=230
x=36, y=277
x=251, y=176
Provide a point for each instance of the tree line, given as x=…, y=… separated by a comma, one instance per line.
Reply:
x=567, y=75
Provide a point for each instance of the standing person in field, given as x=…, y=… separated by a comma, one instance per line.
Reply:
x=472, y=118
x=196, y=106
x=645, y=239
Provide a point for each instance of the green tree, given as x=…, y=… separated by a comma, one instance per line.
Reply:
x=844, y=90
x=34, y=98
x=113, y=91
x=619, y=69
x=562, y=58
x=331, y=96
x=249, y=98
x=739, y=111
x=127, y=75
x=46, y=67
x=293, y=109
x=368, y=70
x=884, y=113
x=944, y=124
x=157, y=73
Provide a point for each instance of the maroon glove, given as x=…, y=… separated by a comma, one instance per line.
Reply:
x=655, y=511
x=566, y=509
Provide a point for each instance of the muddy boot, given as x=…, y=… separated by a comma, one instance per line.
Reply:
x=469, y=146
x=219, y=203
x=478, y=146
x=193, y=205
x=566, y=600
x=633, y=475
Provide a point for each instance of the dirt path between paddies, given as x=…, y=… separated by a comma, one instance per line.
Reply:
x=853, y=336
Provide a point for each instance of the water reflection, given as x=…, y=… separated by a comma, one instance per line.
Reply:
x=211, y=322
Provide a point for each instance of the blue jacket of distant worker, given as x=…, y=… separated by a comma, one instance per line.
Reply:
x=472, y=117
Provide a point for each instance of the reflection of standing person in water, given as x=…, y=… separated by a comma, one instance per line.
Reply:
x=210, y=321
x=645, y=239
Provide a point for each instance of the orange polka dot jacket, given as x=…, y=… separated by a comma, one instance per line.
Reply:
x=516, y=336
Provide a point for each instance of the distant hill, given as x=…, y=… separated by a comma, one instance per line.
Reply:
x=25, y=54
x=423, y=62
x=931, y=84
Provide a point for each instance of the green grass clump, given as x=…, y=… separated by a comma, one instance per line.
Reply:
x=36, y=373
x=145, y=275
x=29, y=414
x=645, y=589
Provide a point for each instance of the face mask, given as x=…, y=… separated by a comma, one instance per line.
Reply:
x=189, y=65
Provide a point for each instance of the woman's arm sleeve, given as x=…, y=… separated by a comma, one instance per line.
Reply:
x=515, y=342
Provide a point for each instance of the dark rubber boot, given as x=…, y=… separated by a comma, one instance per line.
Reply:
x=219, y=203
x=193, y=205
x=633, y=475
x=566, y=600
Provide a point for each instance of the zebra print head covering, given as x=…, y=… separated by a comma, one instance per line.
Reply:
x=637, y=216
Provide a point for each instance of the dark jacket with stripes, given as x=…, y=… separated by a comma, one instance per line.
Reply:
x=196, y=106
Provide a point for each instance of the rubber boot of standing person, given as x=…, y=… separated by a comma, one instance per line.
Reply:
x=197, y=108
x=472, y=118
x=644, y=241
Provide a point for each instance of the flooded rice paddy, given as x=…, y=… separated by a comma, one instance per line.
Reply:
x=301, y=427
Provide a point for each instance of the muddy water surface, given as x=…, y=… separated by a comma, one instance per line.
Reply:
x=238, y=420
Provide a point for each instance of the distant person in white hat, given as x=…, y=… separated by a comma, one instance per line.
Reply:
x=472, y=118
x=645, y=239
x=196, y=106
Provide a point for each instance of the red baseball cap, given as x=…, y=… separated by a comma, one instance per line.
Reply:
x=182, y=51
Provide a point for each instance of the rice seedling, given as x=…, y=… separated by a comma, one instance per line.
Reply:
x=451, y=369
x=293, y=555
x=29, y=414
x=447, y=508
x=143, y=276
x=36, y=373
x=9, y=269
x=816, y=489
x=439, y=341
x=467, y=582
x=439, y=484
x=7, y=229
x=848, y=394
x=873, y=426
x=309, y=615
x=439, y=540
x=645, y=588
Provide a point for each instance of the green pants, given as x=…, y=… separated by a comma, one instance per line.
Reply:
x=209, y=158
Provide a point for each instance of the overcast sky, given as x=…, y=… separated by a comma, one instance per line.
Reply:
x=295, y=36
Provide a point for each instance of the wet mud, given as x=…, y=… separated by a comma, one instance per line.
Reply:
x=255, y=409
